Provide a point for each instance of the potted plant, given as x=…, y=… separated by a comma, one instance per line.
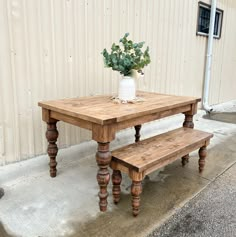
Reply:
x=127, y=58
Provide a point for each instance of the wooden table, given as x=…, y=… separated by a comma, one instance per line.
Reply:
x=104, y=118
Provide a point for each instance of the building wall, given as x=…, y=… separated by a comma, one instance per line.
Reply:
x=52, y=49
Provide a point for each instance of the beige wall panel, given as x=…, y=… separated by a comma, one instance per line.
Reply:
x=223, y=83
x=52, y=49
x=228, y=63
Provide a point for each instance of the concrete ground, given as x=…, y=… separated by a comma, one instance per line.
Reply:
x=36, y=205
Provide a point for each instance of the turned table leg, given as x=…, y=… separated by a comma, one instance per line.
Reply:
x=188, y=123
x=103, y=158
x=136, y=190
x=137, y=132
x=116, y=181
x=52, y=135
x=202, y=155
x=185, y=159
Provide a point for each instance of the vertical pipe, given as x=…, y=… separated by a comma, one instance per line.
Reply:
x=209, y=58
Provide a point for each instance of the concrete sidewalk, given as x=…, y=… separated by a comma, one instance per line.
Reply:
x=36, y=205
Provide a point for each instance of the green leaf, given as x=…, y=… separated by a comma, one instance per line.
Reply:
x=140, y=45
x=121, y=68
x=126, y=56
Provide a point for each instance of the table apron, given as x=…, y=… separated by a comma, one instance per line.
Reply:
x=152, y=117
x=71, y=120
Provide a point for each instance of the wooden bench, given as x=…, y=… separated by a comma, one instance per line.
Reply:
x=142, y=158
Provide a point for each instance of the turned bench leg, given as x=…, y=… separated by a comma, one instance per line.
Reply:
x=202, y=155
x=116, y=181
x=136, y=190
x=137, y=132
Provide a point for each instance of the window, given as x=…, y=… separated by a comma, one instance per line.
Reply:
x=204, y=12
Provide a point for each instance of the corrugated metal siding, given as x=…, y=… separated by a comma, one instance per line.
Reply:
x=223, y=83
x=51, y=49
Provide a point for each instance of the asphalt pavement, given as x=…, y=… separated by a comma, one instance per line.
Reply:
x=212, y=213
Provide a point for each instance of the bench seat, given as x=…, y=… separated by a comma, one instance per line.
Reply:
x=141, y=158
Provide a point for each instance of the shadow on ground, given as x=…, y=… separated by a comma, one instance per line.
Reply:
x=222, y=116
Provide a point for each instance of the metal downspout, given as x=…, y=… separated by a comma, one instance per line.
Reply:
x=207, y=77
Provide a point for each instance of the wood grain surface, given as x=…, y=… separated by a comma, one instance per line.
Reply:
x=102, y=110
x=161, y=149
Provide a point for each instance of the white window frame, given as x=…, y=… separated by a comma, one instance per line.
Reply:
x=206, y=6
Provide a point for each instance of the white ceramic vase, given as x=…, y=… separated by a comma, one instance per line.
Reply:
x=127, y=88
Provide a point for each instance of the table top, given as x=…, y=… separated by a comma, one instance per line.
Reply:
x=102, y=110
